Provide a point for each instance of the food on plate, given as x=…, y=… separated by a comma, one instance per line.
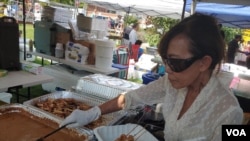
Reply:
x=20, y=125
x=62, y=107
x=124, y=137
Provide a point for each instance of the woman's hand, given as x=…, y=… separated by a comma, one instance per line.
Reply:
x=81, y=118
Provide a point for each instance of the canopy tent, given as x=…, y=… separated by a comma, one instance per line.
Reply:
x=163, y=8
x=234, y=2
x=230, y=13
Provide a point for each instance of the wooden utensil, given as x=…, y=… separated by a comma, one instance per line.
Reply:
x=49, y=134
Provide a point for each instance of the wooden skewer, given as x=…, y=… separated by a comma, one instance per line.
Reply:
x=141, y=133
x=144, y=113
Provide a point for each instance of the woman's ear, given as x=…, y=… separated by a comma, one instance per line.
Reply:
x=205, y=63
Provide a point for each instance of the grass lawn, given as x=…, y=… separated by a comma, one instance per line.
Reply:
x=35, y=91
x=29, y=30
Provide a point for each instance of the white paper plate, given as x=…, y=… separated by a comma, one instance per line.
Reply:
x=110, y=133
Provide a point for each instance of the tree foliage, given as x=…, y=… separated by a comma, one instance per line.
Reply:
x=160, y=26
x=68, y=2
x=230, y=33
x=5, y=1
x=164, y=23
x=130, y=19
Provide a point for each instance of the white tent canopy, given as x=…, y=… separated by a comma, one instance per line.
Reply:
x=163, y=8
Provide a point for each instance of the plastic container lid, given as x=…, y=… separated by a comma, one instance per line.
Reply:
x=105, y=43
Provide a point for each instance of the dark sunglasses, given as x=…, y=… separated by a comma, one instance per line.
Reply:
x=178, y=65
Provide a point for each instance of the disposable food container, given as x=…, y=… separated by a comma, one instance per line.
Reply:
x=111, y=133
x=34, y=116
x=108, y=119
x=105, y=87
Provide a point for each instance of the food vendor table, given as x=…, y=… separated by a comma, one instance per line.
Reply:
x=240, y=84
x=78, y=66
x=15, y=80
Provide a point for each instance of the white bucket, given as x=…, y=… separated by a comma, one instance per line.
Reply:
x=104, y=53
x=103, y=62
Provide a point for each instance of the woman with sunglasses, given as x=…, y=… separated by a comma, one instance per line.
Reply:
x=195, y=95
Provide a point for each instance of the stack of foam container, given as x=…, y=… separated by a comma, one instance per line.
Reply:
x=102, y=86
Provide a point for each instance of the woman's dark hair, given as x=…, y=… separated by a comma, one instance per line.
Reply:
x=237, y=36
x=204, y=35
x=135, y=25
x=138, y=42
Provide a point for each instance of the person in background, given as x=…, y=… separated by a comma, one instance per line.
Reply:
x=133, y=33
x=221, y=31
x=195, y=96
x=233, y=48
x=119, y=23
x=111, y=23
x=93, y=14
x=125, y=37
x=140, y=52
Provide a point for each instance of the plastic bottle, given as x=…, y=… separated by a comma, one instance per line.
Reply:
x=30, y=45
x=59, y=51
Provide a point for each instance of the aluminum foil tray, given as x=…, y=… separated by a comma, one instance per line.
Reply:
x=103, y=86
x=109, y=118
x=38, y=113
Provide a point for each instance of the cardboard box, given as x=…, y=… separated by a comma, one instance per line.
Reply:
x=91, y=46
x=63, y=37
x=31, y=67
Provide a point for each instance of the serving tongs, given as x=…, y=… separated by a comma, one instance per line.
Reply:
x=56, y=130
x=137, y=135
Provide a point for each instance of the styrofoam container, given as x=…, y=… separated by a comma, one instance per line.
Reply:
x=110, y=133
x=5, y=97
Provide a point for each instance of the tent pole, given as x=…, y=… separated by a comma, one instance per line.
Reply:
x=125, y=20
x=183, y=9
x=24, y=30
x=193, y=6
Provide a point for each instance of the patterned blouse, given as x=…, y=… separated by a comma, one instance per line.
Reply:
x=214, y=106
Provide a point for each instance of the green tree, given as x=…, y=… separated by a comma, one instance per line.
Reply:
x=230, y=33
x=5, y=1
x=160, y=26
x=129, y=19
x=164, y=23
x=68, y=2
